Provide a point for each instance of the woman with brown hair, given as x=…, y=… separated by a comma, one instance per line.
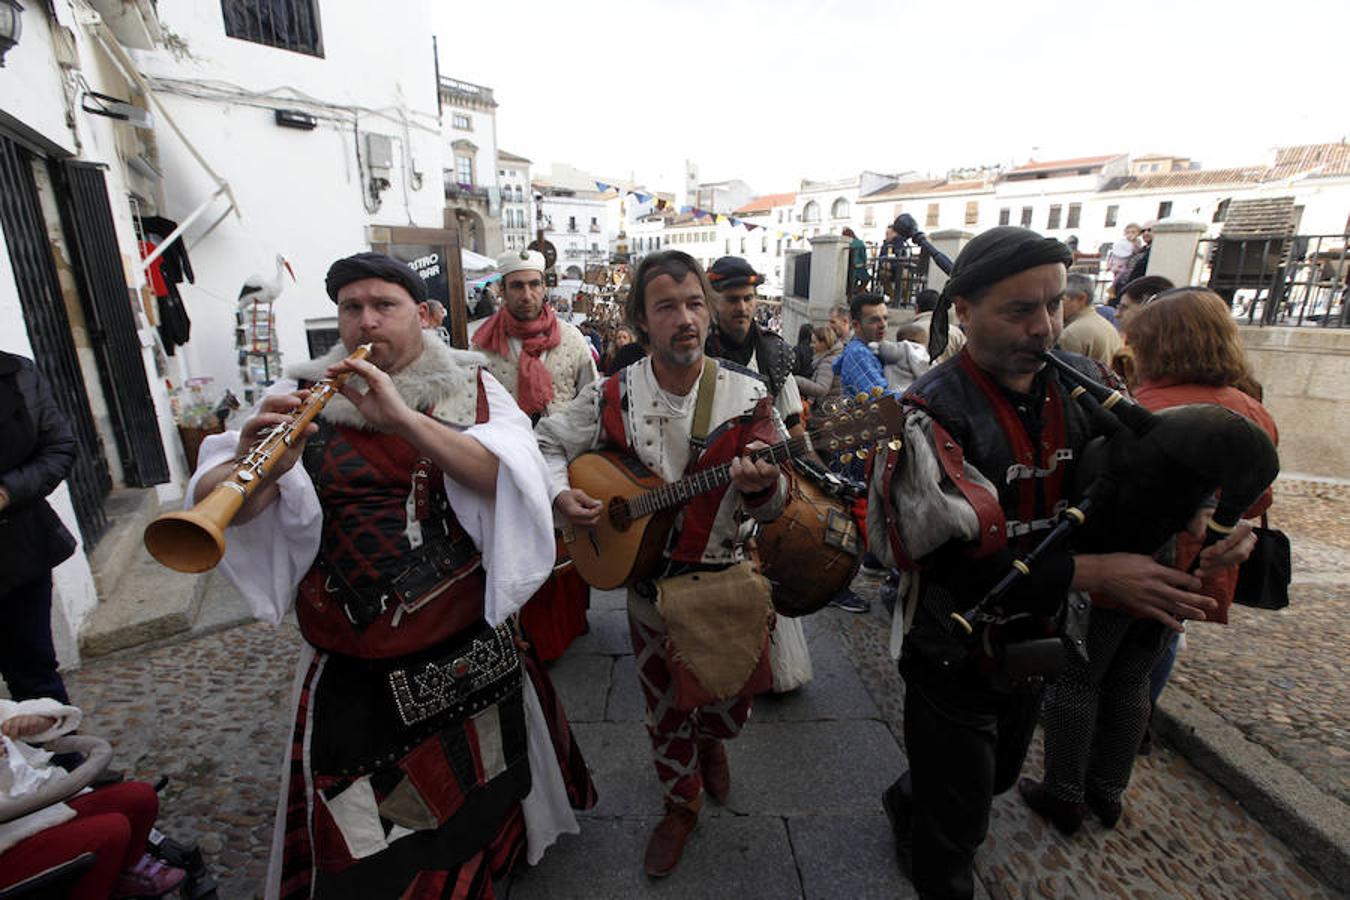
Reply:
x=1187, y=350
x=823, y=383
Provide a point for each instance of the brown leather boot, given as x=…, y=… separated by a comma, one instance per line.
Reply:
x=712, y=764
x=666, y=845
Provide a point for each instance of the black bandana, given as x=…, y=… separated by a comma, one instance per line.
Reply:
x=373, y=265
x=990, y=257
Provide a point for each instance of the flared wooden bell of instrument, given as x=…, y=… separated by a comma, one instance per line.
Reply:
x=193, y=540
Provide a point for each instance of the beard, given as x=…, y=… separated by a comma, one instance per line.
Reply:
x=678, y=356
x=683, y=358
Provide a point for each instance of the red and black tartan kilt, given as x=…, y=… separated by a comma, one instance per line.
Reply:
x=428, y=809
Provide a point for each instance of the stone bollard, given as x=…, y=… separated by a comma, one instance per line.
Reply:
x=829, y=274
x=949, y=241
x=1175, y=252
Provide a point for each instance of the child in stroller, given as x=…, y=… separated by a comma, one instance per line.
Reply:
x=48, y=819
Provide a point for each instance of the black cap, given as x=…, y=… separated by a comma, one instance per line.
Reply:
x=373, y=265
x=732, y=272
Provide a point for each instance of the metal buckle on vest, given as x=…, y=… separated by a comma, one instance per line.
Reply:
x=1018, y=471
x=1018, y=528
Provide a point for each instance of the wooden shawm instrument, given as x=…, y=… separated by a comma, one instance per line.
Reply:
x=194, y=540
x=639, y=508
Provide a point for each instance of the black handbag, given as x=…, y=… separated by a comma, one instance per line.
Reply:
x=1263, y=579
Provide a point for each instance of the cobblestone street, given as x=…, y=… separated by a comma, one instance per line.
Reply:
x=1293, y=696
x=804, y=818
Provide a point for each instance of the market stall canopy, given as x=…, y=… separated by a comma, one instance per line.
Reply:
x=476, y=262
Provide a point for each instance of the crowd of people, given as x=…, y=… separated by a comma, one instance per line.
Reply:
x=411, y=528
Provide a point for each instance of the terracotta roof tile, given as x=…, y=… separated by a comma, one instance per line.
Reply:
x=1055, y=164
x=766, y=202
x=906, y=189
x=1317, y=159
x=1186, y=179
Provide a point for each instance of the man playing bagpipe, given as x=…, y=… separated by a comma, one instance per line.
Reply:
x=987, y=463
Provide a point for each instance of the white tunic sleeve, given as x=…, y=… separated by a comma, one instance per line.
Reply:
x=266, y=557
x=514, y=528
x=568, y=433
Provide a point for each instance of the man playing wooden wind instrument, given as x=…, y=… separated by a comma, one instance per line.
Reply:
x=679, y=411
x=410, y=770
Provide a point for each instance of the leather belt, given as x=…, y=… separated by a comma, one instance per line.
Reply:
x=438, y=563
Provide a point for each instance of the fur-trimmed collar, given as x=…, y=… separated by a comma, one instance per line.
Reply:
x=442, y=380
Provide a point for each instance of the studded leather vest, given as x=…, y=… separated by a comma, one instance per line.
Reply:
x=1033, y=473
x=977, y=422
x=395, y=572
x=771, y=353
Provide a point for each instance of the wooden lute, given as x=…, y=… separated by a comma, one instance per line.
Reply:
x=639, y=508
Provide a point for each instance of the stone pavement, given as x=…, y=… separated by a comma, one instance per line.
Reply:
x=803, y=820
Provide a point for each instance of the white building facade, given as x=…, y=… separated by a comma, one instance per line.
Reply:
x=581, y=225
x=472, y=182
x=518, y=227
x=73, y=295
x=318, y=155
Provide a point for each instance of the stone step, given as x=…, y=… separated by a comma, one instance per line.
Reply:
x=149, y=603
x=129, y=510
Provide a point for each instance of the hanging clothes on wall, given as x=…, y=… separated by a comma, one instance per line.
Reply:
x=166, y=273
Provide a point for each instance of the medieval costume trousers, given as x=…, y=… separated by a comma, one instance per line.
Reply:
x=965, y=746
x=1096, y=712
x=675, y=733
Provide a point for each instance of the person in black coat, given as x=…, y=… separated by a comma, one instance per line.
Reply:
x=37, y=450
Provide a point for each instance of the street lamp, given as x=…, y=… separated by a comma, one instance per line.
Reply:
x=11, y=26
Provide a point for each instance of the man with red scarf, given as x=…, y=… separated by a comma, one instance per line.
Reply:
x=543, y=361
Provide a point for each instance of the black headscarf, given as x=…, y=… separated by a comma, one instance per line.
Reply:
x=373, y=265
x=990, y=257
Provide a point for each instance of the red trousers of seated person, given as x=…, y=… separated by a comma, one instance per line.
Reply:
x=113, y=823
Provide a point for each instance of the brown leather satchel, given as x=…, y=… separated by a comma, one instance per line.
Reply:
x=717, y=633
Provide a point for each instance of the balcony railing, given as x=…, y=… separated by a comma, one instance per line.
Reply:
x=1296, y=280
x=456, y=190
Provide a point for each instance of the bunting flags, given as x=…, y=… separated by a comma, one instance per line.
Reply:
x=699, y=214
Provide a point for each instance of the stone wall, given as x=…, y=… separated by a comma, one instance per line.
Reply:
x=1306, y=375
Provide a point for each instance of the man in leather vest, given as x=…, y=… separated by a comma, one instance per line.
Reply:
x=417, y=524
x=543, y=361
x=736, y=337
x=987, y=461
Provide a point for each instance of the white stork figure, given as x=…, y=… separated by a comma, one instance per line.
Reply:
x=259, y=357
x=260, y=289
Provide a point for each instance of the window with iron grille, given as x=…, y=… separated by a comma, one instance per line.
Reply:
x=1052, y=220
x=1004, y=216
x=972, y=212
x=932, y=218
x=1075, y=213
x=285, y=24
x=1112, y=213
x=1026, y=217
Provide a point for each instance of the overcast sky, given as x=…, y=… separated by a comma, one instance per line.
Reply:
x=772, y=91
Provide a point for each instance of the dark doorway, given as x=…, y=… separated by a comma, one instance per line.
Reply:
x=44, y=313
x=87, y=221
